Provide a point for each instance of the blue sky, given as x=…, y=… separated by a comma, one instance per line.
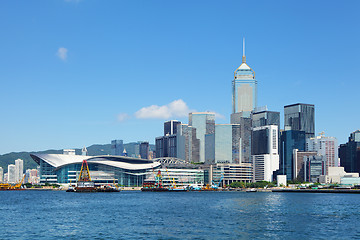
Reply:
x=75, y=73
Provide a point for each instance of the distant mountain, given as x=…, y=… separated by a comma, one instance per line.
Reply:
x=93, y=150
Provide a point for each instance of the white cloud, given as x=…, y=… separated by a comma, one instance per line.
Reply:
x=122, y=117
x=219, y=116
x=177, y=108
x=62, y=53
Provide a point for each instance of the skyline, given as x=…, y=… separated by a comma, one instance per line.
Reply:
x=76, y=73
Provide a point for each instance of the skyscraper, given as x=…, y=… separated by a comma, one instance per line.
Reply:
x=19, y=170
x=187, y=143
x=144, y=150
x=244, y=120
x=204, y=123
x=244, y=87
x=326, y=147
x=289, y=141
x=223, y=146
x=300, y=117
x=117, y=147
x=170, y=127
x=11, y=173
x=265, y=142
x=349, y=153
x=1, y=175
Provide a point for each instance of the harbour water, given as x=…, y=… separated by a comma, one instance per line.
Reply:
x=169, y=215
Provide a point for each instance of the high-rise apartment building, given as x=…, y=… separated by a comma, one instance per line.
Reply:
x=1, y=175
x=265, y=153
x=204, y=123
x=84, y=151
x=117, y=147
x=300, y=117
x=244, y=87
x=349, y=153
x=19, y=170
x=324, y=146
x=11, y=174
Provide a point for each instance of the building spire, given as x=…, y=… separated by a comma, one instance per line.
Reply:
x=244, y=57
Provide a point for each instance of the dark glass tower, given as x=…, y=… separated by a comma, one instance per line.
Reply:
x=349, y=153
x=300, y=117
x=289, y=141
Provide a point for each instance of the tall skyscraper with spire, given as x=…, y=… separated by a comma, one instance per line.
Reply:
x=244, y=87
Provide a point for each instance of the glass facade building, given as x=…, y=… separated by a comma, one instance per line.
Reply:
x=244, y=120
x=300, y=117
x=244, y=88
x=223, y=146
x=349, y=153
x=170, y=127
x=144, y=150
x=117, y=147
x=289, y=141
x=126, y=171
x=204, y=123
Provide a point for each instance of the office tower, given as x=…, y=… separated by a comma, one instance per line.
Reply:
x=243, y=119
x=204, y=123
x=170, y=127
x=19, y=170
x=223, y=146
x=300, y=117
x=117, y=147
x=324, y=146
x=244, y=87
x=11, y=173
x=84, y=151
x=263, y=117
x=166, y=146
x=144, y=150
x=1, y=175
x=265, y=156
x=299, y=164
x=314, y=167
x=290, y=140
x=187, y=143
x=349, y=153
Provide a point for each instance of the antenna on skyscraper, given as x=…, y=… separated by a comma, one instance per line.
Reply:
x=244, y=57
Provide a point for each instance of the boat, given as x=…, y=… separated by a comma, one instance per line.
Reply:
x=251, y=190
x=10, y=187
x=84, y=184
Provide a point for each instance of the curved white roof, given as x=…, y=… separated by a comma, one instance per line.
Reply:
x=60, y=160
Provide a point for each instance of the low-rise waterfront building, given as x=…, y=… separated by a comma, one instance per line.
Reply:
x=230, y=173
x=335, y=176
x=127, y=171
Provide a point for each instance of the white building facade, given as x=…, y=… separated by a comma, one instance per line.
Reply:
x=19, y=170
x=324, y=146
x=11, y=174
x=265, y=155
